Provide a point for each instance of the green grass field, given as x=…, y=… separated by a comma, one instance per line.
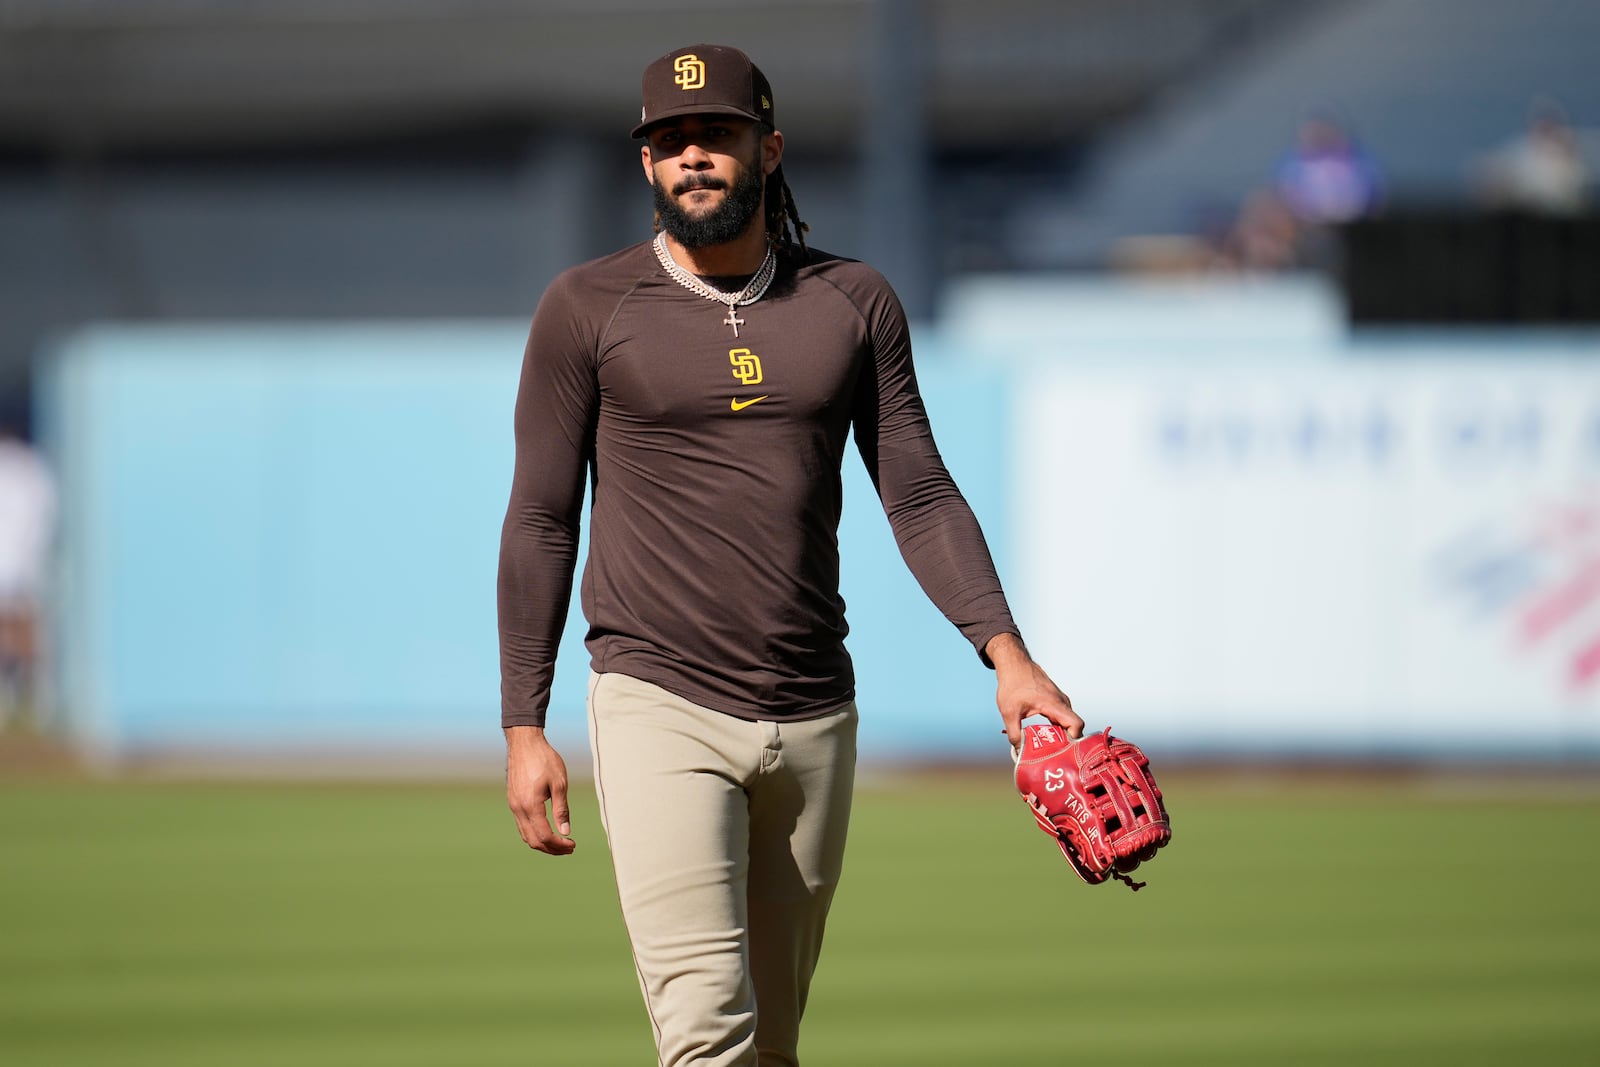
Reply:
x=1399, y=922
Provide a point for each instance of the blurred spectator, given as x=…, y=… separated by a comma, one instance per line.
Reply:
x=1328, y=178
x=27, y=522
x=1540, y=171
x=1266, y=236
x=1262, y=237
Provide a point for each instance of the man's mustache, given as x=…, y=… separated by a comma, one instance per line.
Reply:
x=692, y=183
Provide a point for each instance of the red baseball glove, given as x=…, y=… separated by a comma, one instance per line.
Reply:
x=1096, y=797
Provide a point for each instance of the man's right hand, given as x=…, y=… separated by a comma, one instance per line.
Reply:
x=536, y=775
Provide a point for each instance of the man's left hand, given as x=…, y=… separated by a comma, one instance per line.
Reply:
x=1025, y=690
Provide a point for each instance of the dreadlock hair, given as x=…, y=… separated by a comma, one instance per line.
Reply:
x=781, y=209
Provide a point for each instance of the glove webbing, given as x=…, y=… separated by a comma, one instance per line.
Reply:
x=1117, y=781
x=1116, y=772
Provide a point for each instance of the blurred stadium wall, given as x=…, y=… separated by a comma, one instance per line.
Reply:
x=1230, y=528
x=266, y=268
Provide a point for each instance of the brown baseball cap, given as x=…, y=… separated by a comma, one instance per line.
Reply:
x=704, y=79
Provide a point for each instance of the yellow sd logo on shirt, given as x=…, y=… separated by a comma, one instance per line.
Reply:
x=689, y=73
x=746, y=366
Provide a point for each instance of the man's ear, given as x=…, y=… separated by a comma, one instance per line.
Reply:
x=771, y=152
x=649, y=166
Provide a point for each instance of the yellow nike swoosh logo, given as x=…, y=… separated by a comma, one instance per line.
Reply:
x=740, y=405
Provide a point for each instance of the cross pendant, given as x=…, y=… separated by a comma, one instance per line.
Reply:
x=733, y=320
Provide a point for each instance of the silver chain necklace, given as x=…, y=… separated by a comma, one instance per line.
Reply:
x=748, y=295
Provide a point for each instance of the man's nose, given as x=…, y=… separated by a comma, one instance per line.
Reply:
x=694, y=157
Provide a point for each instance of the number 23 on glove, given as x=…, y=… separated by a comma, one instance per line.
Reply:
x=1096, y=797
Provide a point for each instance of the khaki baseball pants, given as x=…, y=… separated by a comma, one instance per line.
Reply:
x=727, y=838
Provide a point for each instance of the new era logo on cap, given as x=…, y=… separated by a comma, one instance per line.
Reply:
x=704, y=79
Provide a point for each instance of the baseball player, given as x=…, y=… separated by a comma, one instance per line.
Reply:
x=703, y=385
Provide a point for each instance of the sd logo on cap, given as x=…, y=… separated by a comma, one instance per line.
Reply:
x=704, y=79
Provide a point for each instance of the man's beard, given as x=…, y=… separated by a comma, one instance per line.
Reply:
x=722, y=223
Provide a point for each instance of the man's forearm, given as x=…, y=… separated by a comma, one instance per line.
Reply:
x=537, y=556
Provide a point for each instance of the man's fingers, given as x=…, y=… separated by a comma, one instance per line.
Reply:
x=1066, y=718
x=535, y=827
x=559, y=809
x=557, y=845
x=1070, y=722
x=537, y=833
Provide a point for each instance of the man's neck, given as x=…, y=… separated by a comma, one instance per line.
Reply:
x=742, y=255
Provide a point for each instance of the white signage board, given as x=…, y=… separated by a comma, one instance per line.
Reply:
x=1349, y=553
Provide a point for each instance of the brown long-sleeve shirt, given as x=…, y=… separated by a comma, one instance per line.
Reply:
x=715, y=461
